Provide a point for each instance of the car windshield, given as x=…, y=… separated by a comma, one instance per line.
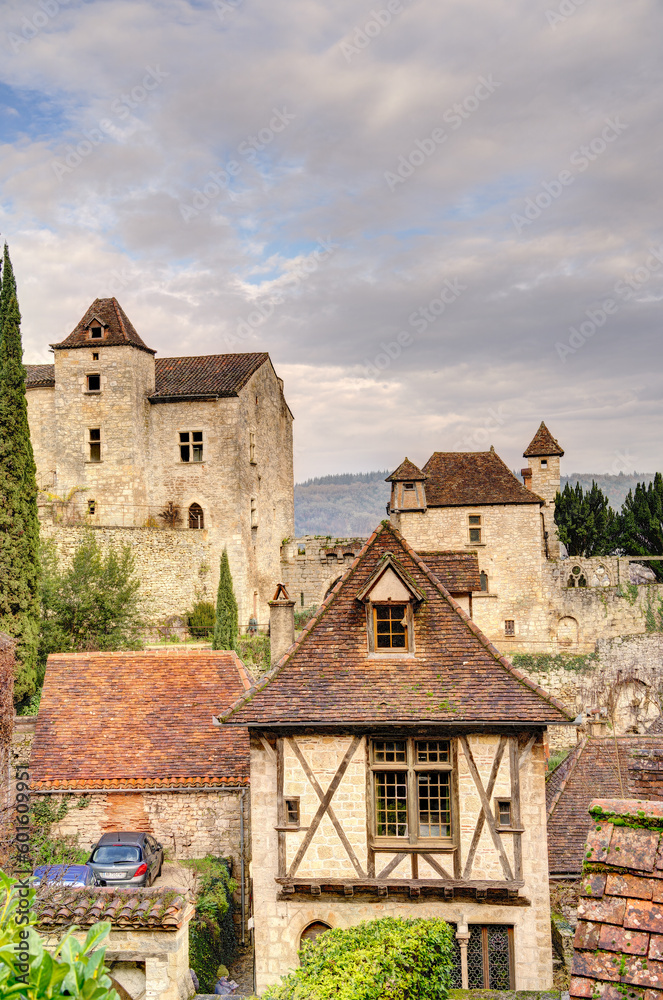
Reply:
x=112, y=854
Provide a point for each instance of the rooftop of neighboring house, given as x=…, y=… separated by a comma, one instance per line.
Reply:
x=450, y=673
x=161, y=909
x=625, y=767
x=457, y=571
x=139, y=720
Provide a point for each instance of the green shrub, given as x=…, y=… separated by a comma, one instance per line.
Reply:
x=45, y=849
x=304, y=615
x=388, y=959
x=212, y=939
x=254, y=652
x=73, y=969
x=201, y=620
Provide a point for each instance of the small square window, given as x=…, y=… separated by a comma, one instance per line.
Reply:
x=503, y=812
x=94, y=383
x=475, y=519
x=191, y=446
x=95, y=355
x=475, y=535
x=544, y=463
x=408, y=486
x=509, y=627
x=389, y=751
x=292, y=812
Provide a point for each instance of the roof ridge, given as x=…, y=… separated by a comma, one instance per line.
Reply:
x=225, y=354
x=575, y=756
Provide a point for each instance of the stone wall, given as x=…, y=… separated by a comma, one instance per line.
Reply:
x=310, y=565
x=279, y=923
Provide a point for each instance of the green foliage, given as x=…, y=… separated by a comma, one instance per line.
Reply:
x=388, y=959
x=74, y=969
x=93, y=605
x=587, y=524
x=201, y=620
x=304, y=615
x=46, y=849
x=557, y=758
x=19, y=524
x=212, y=940
x=641, y=531
x=255, y=652
x=654, y=614
x=629, y=593
x=227, y=615
x=543, y=663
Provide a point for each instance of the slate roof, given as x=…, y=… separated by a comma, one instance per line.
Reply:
x=543, y=444
x=141, y=719
x=457, y=571
x=39, y=376
x=472, y=479
x=119, y=328
x=591, y=770
x=213, y=375
x=406, y=471
x=159, y=909
x=456, y=675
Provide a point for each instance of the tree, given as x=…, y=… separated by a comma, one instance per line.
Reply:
x=587, y=524
x=227, y=615
x=641, y=527
x=94, y=604
x=19, y=523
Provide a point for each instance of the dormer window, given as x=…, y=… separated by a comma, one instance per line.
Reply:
x=390, y=597
x=96, y=333
x=390, y=626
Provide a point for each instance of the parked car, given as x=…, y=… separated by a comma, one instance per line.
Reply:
x=72, y=875
x=131, y=859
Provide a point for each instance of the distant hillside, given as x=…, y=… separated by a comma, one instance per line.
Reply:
x=351, y=505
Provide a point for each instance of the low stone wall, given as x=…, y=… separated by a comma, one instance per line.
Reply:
x=311, y=564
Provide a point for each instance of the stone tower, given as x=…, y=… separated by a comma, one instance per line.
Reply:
x=408, y=491
x=104, y=374
x=543, y=477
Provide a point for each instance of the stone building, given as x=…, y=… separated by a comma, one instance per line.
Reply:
x=397, y=769
x=134, y=444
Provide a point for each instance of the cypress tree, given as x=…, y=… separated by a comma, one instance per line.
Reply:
x=19, y=524
x=227, y=615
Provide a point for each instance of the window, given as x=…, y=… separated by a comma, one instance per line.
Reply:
x=301, y=598
x=191, y=446
x=196, y=516
x=252, y=448
x=408, y=486
x=390, y=626
x=94, y=442
x=96, y=333
x=254, y=512
x=484, y=581
x=92, y=506
x=94, y=383
x=314, y=930
x=412, y=789
x=509, y=627
x=95, y=355
x=489, y=958
x=292, y=812
x=577, y=578
x=503, y=812
x=544, y=463
x=475, y=528
x=301, y=550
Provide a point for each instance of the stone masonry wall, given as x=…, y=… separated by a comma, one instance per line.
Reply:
x=311, y=564
x=279, y=923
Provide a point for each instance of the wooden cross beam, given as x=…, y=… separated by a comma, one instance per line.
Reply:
x=499, y=753
x=486, y=814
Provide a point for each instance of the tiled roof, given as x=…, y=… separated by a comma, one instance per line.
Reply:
x=141, y=719
x=656, y=726
x=591, y=770
x=119, y=329
x=159, y=909
x=456, y=675
x=458, y=572
x=39, y=376
x=6, y=641
x=406, y=470
x=472, y=479
x=542, y=444
x=210, y=375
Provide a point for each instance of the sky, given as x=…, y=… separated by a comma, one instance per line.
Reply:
x=440, y=217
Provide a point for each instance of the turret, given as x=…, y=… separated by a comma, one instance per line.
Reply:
x=542, y=476
x=408, y=492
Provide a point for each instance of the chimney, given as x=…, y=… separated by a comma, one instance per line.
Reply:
x=281, y=623
x=527, y=477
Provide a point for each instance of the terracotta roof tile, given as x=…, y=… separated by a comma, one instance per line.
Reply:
x=141, y=719
x=140, y=909
x=458, y=572
x=405, y=471
x=119, y=330
x=39, y=376
x=542, y=444
x=591, y=770
x=455, y=676
x=210, y=375
x=472, y=479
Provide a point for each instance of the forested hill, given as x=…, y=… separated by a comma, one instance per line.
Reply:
x=353, y=505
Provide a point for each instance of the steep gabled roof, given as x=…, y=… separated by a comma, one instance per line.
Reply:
x=628, y=767
x=405, y=472
x=472, y=479
x=212, y=375
x=455, y=676
x=119, y=328
x=458, y=572
x=543, y=444
x=39, y=376
x=139, y=719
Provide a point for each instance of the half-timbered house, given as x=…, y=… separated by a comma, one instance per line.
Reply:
x=397, y=768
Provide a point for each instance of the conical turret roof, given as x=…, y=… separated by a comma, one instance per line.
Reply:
x=543, y=444
x=406, y=471
x=117, y=328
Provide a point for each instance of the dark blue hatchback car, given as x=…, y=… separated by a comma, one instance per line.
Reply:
x=72, y=875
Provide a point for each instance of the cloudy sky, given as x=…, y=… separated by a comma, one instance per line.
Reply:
x=440, y=217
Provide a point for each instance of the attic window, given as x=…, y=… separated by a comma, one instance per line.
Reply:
x=544, y=463
x=390, y=626
x=96, y=333
x=409, y=486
